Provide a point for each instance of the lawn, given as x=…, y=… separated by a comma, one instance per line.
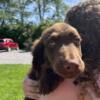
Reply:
x=11, y=78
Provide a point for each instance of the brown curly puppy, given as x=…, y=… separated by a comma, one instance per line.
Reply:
x=56, y=56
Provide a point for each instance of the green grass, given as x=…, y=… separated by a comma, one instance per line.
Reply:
x=11, y=78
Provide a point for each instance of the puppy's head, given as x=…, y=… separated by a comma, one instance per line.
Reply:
x=62, y=46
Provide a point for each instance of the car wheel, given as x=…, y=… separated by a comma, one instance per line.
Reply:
x=9, y=49
x=17, y=48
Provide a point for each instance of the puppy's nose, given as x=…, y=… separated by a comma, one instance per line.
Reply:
x=71, y=65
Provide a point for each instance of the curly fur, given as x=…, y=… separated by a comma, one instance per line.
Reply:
x=42, y=69
x=86, y=18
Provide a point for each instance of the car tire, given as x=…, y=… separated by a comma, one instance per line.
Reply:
x=17, y=48
x=9, y=49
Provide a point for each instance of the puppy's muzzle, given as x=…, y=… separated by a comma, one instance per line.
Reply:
x=68, y=68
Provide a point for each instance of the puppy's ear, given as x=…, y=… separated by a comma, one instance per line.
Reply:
x=38, y=59
x=49, y=81
x=41, y=69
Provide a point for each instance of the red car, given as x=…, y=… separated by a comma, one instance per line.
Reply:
x=8, y=44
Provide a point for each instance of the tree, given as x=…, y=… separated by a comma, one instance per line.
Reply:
x=59, y=10
x=19, y=7
x=49, y=9
x=41, y=8
x=5, y=12
x=14, y=11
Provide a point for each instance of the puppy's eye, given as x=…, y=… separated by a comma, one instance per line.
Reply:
x=51, y=43
x=77, y=42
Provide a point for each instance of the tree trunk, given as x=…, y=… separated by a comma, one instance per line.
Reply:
x=40, y=10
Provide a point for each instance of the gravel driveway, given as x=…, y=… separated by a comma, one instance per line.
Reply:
x=15, y=57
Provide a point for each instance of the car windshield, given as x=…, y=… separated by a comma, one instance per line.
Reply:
x=1, y=40
x=8, y=40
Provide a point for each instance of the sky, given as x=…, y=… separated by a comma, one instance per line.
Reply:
x=69, y=2
x=72, y=2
